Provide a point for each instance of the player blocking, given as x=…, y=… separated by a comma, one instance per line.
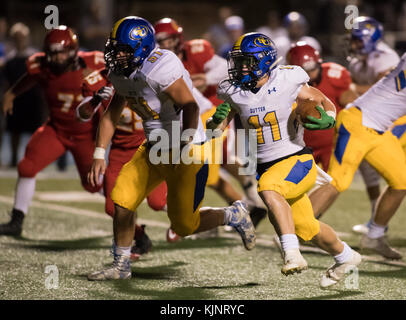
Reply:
x=157, y=87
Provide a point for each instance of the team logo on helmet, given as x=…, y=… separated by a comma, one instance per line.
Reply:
x=138, y=32
x=262, y=42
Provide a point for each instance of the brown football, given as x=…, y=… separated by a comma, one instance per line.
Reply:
x=307, y=108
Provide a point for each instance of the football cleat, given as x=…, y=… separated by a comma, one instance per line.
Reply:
x=15, y=226
x=361, y=228
x=293, y=262
x=380, y=246
x=209, y=234
x=171, y=236
x=141, y=246
x=338, y=271
x=121, y=269
x=241, y=221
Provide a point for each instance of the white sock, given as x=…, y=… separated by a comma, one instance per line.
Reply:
x=227, y=216
x=123, y=251
x=345, y=255
x=376, y=231
x=25, y=190
x=289, y=241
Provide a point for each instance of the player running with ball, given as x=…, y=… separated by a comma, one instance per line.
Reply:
x=263, y=95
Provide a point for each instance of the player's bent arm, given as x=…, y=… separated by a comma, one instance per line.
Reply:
x=108, y=122
x=183, y=98
x=105, y=132
x=311, y=93
x=22, y=85
x=325, y=107
x=348, y=96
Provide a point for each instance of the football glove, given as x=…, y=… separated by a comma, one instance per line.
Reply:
x=104, y=93
x=325, y=121
x=221, y=113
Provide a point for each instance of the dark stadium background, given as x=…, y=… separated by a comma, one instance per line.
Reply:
x=325, y=18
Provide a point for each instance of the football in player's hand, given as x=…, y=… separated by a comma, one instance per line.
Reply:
x=307, y=108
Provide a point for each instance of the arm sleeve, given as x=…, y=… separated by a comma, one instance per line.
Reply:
x=216, y=69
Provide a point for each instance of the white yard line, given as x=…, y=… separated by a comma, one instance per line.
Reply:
x=80, y=212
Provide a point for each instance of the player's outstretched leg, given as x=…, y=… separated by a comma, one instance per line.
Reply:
x=386, y=207
x=281, y=217
x=346, y=259
x=123, y=226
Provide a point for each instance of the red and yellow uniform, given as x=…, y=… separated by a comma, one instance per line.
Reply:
x=335, y=79
x=128, y=136
x=62, y=132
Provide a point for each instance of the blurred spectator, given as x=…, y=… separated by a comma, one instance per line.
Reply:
x=28, y=109
x=297, y=27
x=217, y=34
x=96, y=25
x=4, y=48
x=273, y=29
x=235, y=29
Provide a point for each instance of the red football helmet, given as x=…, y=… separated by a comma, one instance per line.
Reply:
x=167, y=28
x=60, y=40
x=303, y=55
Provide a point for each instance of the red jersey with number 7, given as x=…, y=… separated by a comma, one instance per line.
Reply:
x=63, y=92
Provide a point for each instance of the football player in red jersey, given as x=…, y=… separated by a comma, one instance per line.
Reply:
x=205, y=67
x=128, y=136
x=59, y=71
x=206, y=70
x=331, y=79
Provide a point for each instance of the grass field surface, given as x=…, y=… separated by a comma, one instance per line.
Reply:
x=74, y=236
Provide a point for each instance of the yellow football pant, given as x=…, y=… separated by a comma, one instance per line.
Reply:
x=355, y=142
x=292, y=178
x=399, y=130
x=186, y=185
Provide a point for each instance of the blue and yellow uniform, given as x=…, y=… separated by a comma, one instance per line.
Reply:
x=157, y=159
x=284, y=165
x=363, y=132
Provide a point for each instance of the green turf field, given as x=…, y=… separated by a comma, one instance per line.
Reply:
x=76, y=237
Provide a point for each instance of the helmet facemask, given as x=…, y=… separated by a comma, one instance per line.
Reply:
x=245, y=69
x=120, y=58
